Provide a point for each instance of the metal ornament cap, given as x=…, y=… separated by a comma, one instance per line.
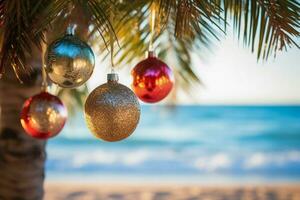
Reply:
x=112, y=77
x=69, y=61
x=112, y=111
x=43, y=116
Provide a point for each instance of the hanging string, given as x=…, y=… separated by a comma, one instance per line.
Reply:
x=44, y=79
x=44, y=74
x=111, y=39
x=152, y=26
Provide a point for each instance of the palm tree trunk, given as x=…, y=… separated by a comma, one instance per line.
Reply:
x=21, y=157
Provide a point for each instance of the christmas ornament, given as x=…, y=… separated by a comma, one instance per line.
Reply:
x=70, y=61
x=152, y=79
x=112, y=111
x=43, y=116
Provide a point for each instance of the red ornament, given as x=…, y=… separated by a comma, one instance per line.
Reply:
x=152, y=79
x=43, y=116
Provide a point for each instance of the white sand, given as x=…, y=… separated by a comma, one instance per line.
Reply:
x=135, y=191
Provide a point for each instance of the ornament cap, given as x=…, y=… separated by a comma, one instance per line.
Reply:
x=71, y=29
x=151, y=54
x=112, y=77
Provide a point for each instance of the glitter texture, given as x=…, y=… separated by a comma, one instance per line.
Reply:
x=43, y=116
x=112, y=111
x=70, y=62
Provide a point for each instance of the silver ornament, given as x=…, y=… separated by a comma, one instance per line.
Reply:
x=69, y=62
x=112, y=111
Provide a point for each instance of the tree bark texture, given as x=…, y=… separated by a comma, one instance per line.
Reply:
x=21, y=157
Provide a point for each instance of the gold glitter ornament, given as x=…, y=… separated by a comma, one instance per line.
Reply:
x=112, y=110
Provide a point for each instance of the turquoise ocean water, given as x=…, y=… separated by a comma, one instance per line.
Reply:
x=188, y=143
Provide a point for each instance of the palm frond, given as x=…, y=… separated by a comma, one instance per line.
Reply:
x=55, y=10
x=266, y=25
x=18, y=36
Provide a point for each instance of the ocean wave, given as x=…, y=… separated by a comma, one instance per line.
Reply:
x=259, y=159
x=173, y=161
x=214, y=162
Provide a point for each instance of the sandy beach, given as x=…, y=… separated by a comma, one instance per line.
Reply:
x=95, y=191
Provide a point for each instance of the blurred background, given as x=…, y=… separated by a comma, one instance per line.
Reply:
x=242, y=125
